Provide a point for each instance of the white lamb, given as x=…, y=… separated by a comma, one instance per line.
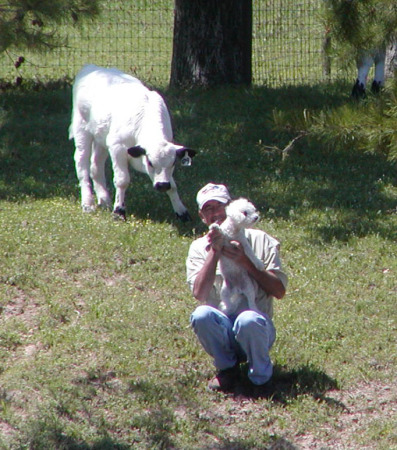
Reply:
x=114, y=113
x=237, y=283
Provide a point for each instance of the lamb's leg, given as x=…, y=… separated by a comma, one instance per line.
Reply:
x=254, y=259
x=250, y=294
x=225, y=295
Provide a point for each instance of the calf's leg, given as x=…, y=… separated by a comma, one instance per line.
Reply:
x=180, y=210
x=98, y=160
x=121, y=178
x=82, y=155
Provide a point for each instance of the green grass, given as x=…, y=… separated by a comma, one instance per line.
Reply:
x=96, y=351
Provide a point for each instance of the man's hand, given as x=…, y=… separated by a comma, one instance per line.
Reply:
x=266, y=279
x=215, y=238
x=235, y=251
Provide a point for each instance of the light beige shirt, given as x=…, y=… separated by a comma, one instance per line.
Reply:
x=265, y=247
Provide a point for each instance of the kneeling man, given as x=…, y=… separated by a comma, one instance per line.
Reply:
x=245, y=335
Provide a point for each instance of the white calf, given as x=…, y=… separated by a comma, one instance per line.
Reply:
x=240, y=214
x=114, y=113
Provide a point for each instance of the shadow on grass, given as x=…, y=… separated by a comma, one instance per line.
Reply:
x=60, y=440
x=47, y=433
x=233, y=129
x=160, y=422
x=289, y=385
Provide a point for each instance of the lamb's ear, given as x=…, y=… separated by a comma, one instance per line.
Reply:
x=185, y=155
x=136, y=151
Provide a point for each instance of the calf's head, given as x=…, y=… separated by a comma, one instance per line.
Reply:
x=159, y=162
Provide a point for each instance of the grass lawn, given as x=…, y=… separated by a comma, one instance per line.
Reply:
x=95, y=346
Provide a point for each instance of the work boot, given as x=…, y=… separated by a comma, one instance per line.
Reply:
x=225, y=380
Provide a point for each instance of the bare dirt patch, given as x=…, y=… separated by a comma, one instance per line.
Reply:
x=364, y=404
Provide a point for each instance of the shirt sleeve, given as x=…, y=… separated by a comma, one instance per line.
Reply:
x=267, y=249
x=195, y=261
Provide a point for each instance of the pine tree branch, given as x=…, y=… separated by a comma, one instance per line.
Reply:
x=286, y=150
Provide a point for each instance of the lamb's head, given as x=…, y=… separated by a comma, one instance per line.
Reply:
x=242, y=213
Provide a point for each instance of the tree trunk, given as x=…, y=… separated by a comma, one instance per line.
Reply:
x=212, y=42
x=326, y=47
x=391, y=60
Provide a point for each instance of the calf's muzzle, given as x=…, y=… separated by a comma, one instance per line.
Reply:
x=162, y=187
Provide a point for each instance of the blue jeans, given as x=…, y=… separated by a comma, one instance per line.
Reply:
x=247, y=337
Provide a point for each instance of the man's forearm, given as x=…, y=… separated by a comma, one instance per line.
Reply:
x=267, y=280
x=206, y=277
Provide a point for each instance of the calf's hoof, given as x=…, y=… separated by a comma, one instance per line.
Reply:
x=184, y=217
x=105, y=205
x=88, y=208
x=119, y=214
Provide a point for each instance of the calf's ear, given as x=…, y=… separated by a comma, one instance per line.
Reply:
x=185, y=155
x=181, y=152
x=136, y=151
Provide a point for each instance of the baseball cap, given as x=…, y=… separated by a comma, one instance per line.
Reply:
x=212, y=191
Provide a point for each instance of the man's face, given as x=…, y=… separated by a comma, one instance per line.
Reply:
x=213, y=212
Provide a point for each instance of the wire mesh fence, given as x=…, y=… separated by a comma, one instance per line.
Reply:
x=288, y=43
x=136, y=36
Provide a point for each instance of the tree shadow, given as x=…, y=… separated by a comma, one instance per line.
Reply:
x=56, y=438
x=276, y=443
x=234, y=132
x=239, y=148
x=45, y=433
x=36, y=158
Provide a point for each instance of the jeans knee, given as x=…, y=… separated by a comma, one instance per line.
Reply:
x=200, y=315
x=250, y=323
x=246, y=318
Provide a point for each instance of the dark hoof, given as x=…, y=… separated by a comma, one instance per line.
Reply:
x=185, y=217
x=119, y=213
x=358, y=91
x=376, y=87
x=88, y=208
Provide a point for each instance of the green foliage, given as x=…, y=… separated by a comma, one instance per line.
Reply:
x=33, y=24
x=358, y=26
x=368, y=126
